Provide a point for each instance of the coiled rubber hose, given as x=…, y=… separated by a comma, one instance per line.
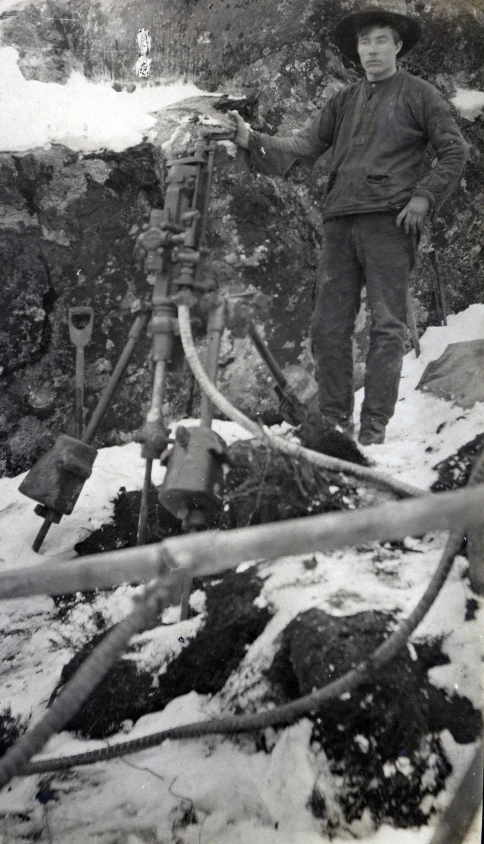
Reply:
x=288, y=712
x=334, y=464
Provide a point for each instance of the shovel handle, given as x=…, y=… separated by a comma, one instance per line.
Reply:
x=80, y=336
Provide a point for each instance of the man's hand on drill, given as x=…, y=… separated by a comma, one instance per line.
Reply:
x=414, y=214
x=242, y=130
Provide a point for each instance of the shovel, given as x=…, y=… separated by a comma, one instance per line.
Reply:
x=80, y=331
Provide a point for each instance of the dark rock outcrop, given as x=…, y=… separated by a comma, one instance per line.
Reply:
x=68, y=221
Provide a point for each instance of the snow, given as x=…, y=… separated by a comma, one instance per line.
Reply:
x=470, y=103
x=83, y=115
x=238, y=795
x=438, y=427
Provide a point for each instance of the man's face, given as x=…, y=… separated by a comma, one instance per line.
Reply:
x=378, y=52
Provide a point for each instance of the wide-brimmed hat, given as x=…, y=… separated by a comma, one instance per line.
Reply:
x=345, y=33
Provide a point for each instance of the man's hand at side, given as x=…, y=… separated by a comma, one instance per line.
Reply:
x=414, y=214
x=242, y=130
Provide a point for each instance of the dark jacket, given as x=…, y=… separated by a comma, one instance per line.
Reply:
x=379, y=133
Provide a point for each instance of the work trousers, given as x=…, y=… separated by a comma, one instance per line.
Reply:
x=361, y=249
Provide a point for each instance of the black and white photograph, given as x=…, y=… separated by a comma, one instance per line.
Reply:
x=241, y=421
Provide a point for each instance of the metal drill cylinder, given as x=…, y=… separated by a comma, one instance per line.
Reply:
x=194, y=477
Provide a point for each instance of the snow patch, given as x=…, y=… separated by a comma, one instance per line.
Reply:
x=82, y=115
x=238, y=794
x=470, y=103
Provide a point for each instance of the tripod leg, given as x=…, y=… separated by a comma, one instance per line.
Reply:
x=185, y=598
x=135, y=332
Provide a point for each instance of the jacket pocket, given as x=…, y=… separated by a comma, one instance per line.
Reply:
x=375, y=186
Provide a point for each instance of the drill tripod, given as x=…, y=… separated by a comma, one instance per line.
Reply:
x=172, y=244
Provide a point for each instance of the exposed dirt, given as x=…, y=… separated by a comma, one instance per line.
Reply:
x=231, y=622
x=384, y=740
x=69, y=221
x=455, y=470
x=10, y=730
x=261, y=486
x=121, y=531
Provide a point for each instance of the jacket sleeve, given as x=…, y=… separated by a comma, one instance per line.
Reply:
x=276, y=155
x=449, y=146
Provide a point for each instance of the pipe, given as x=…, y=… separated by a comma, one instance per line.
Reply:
x=291, y=449
x=211, y=552
x=288, y=712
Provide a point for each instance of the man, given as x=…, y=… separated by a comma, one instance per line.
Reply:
x=376, y=205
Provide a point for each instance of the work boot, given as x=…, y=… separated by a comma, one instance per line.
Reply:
x=371, y=433
x=326, y=435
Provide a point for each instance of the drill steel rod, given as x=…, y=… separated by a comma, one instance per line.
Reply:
x=39, y=539
x=154, y=415
x=103, y=404
x=211, y=552
x=143, y=510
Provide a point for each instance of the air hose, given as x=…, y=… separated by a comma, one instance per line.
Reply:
x=291, y=449
x=284, y=714
x=17, y=760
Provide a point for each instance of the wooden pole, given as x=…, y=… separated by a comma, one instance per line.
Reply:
x=211, y=552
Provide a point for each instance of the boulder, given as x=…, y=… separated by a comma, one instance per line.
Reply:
x=457, y=375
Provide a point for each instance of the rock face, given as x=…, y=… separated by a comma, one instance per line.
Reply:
x=68, y=221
